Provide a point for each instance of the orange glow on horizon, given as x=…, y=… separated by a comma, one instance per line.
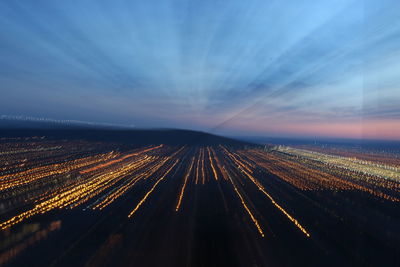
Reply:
x=361, y=129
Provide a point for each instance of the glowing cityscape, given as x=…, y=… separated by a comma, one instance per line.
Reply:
x=205, y=133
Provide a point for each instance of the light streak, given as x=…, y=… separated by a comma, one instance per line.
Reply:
x=125, y=187
x=197, y=168
x=183, y=186
x=261, y=188
x=212, y=165
x=151, y=190
x=202, y=167
x=118, y=160
x=247, y=209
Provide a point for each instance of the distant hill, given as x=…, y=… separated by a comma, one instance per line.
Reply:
x=126, y=136
x=25, y=122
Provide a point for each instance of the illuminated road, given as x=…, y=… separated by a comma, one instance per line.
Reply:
x=160, y=205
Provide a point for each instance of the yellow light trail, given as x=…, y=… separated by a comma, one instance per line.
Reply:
x=247, y=209
x=74, y=196
x=197, y=168
x=238, y=162
x=261, y=188
x=151, y=190
x=291, y=218
x=118, y=160
x=220, y=167
x=183, y=186
x=25, y=177
x=202, y=167
x=212, y=164
x=125, y=187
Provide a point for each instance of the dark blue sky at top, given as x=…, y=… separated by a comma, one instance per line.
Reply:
x=240, y=67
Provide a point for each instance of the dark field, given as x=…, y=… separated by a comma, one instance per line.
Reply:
x=96, y=203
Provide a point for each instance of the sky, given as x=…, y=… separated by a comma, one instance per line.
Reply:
x=328, y=68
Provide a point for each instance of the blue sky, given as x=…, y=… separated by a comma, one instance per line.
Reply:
x=300, y=67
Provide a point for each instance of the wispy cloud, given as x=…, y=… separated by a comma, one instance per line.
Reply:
x=211, y=65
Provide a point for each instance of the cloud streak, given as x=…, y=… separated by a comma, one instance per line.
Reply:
x=258, y=67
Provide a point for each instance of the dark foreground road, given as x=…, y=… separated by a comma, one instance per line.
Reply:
x=191, y=206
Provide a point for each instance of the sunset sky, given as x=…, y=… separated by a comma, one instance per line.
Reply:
x=264, y=68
